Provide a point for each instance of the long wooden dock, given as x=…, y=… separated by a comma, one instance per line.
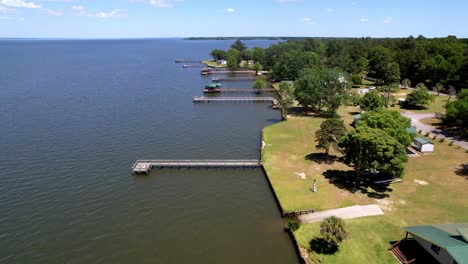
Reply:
x=145, y=166
x=206, y=71
x=188, y=61
x=201, y=99
x=224, y=79
x=240, y=90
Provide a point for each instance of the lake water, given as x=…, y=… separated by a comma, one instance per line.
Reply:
x=75, y=115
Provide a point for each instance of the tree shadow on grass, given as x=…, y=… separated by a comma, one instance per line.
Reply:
x=354, y=113
x=321, y=158
x=346, y=180
x=462, y=170
x=319, y=245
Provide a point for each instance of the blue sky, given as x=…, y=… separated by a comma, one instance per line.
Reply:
x=184, y=18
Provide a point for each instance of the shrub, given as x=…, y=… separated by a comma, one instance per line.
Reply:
x=451, y=143
x=441, y=140
x=293, y=225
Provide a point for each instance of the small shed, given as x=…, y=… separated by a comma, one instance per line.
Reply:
x=222, y=62
x=423, y=145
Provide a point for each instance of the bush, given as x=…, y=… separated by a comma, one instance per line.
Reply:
x=427, y=134
x=434, y=137
x=441, y=140
x=451, y=143
x=293, y=225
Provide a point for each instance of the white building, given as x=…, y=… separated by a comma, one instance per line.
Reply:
x=423, y=145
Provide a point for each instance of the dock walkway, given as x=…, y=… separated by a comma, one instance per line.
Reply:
x=145, y=166
x=201, y=99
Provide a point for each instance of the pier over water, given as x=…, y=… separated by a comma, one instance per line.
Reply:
x=145, y=166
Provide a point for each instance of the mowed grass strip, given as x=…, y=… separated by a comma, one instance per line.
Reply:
x=433, y=190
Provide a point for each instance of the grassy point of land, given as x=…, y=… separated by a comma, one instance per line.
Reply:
x=213, y=64
x=433, y=190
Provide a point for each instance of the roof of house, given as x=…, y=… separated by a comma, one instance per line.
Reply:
x=422, y=140
x=411, y=130
x=446, y=236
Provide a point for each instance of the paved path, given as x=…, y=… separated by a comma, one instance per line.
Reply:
x=345, y=213
x=416, y=121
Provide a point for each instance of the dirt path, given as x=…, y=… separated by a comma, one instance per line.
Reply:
x=345, y=213
x=416, y=121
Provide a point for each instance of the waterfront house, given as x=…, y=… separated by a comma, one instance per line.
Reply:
x=222, y=62
x=444, y=243
x=423, y=145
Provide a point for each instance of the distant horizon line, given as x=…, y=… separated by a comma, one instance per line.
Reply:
x=218, y=38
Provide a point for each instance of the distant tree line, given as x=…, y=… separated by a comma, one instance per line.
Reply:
x=439, y=63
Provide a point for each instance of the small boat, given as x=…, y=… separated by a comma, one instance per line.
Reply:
x=216, y=79
x=212, y=88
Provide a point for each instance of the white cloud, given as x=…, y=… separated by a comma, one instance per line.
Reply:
x=308, y=20
x=329, y=10
x=354, y=3
x=20, y=4
x=54, y=12
x=230, y=10
x=81, y=11
x=156, y=3
x=388, y=20
x=78, y=8
x=364, y=19
x=113, y=13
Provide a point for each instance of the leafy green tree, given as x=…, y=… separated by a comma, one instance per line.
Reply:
x=419, y=97
x=329, y=134
x=319, y=87
x=438, y=88
x=288, y=66
x=406, y=83
x=457, y=111
x=218, y=54
x=356, y=79
x=258, y=55
x=382, y=65
x=232, y=62
x=239, y=45
x=371, y=101
x=235, y=54
x=259, y=84
x=373, y=150
x=452, y=92
x=334, y=230
x=285, y=97
x=388, y=89
x=246, y=54
x=390, y=121
x=257, y=67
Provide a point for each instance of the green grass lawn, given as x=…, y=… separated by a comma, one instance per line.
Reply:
x=287, y=145
x=213, y=64
x=368, y=242
x=431, y=192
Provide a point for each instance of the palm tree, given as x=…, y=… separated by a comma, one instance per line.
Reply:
x=334, y=230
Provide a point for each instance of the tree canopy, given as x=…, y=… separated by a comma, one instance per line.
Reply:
x=390, y=121
x=259, y=83
x=420, y=59
x=334, y=230
x=239, y=45
x=371, y=101
x=373, y=150
x=318, y=87
x=329, y=135
x=457, y=111
x=285, y=97
x=419, y=97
